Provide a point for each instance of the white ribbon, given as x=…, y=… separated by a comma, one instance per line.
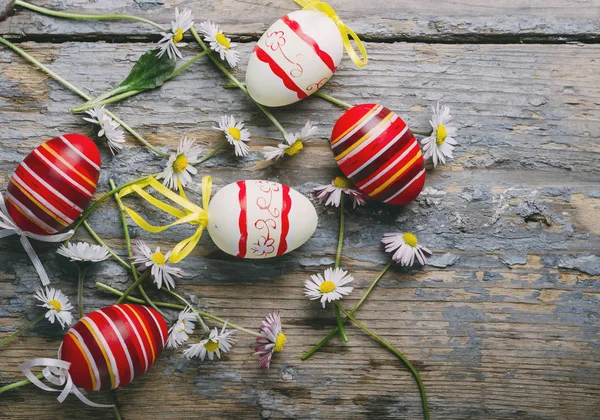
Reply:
x=57, y=373
x=10, y=228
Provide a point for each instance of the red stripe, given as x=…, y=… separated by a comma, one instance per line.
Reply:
x=285, y=220
x=339, y=147
x=79, y=370
x=125, y=328
x=59, y=149
x=82, y=144
x=150, y=326
x=129, y=309
x=96, y=353
x=295, y=26
x=279, y=72
x=22, y=221
x=242, y=221
x=400, y=183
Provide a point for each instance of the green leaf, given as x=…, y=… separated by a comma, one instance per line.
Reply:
x=149, y=72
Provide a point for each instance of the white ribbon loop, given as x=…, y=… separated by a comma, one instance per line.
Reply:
x=10, y=228
x=57, y=373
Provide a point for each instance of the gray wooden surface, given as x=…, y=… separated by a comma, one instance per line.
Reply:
x=502, y=324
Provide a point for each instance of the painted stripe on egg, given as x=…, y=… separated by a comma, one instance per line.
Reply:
x=78, y=153
x=279, y=72
x=295, y=26
x=242, y=220
x=285, y=219
x=85, y=352
x=138, y=337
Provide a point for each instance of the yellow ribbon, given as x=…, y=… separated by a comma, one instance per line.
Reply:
x=191, y=213
x=346, y=32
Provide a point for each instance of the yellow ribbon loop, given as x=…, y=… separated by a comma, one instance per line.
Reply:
x=191, y=213
x=345, y=31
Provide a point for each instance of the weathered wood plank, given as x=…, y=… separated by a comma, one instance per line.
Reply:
x=428, y=20
x=502, y=324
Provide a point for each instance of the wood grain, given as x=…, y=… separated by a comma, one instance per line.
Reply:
x=398, y=20
x=502, y=324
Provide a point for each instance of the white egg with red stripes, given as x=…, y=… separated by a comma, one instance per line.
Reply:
x=260, y=219
x=294, y=58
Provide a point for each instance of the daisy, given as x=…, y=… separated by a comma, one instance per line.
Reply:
x=273, y=339
x=235, y=133
x=216, y=343
x=179, y=167
x=441, y=142
x=58, y=304
x=405, y=248
x=331, y=194
x=172, y=40
x=292, y=144
x=84, y=252
x=330, y=287
x=179, y=332
x=115, y=136
x=220, y=43
x=160, y=269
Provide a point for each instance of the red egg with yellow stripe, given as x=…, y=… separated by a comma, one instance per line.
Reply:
x=54, y=184
x=377, y=151
x=109, y=347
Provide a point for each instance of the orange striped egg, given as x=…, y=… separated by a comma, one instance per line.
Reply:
x=376, y=150
x=54, y=184
x=109, y=347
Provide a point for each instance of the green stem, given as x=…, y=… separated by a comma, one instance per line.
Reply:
x=425, y=133
x=82, y=16
x=148, y=301
x=214, y=152
x=135, y=284
x=80, y=289
x=239, y=84
x=19, y=384
x=74, y=89
x=101, y=242
x=101, y=200
x=397, y=353
x=138, y=300
x=22, y=330
x=188, y=304
x=340, y=325
x=113, y=395
x=111, y=96
x=358, y=305
x=338, y=256
x=333, y=100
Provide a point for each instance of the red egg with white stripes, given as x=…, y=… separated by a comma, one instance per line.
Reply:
x=294, y=58
x=260, y=219
x=377, y=151
x=54, y=184
x=109, y=347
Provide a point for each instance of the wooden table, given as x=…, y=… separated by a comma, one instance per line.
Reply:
x=503, y=322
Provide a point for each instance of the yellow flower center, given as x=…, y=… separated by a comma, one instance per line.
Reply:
x=342, y=182
x=222, y=40
x=180, y=163
x=440, y=135
x=410, y=239
x=280, y=342
x=56, y=305
x=235, y=133
x=178, y=36
x=327, y=286
x=294, y=148
x=211, y=346
x=159, y=258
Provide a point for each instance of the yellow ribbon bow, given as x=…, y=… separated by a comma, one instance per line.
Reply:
x=321, y=6
x=191, y=213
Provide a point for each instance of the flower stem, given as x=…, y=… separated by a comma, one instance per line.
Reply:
x=231, y=324
x=360, y=302
x=333, y=100
x=239, y=84
x=397, y=353
x=135, y=284
x=74, y=89
x=138, y=300
x=19, y=384
x=113, y=395
x=101, y=242
x=80, y=289
x=100, y=201
x=82, y=16
x=338, y=256
x=188, y=304
x=115, y=94
x=21, y=331
x=425, y=133
x=147, y=299
x=214, y=152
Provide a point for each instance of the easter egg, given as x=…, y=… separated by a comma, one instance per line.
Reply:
x=294, y=58
x=54, y=184
x=377, y=151
x=260, y=219
x=109, y=347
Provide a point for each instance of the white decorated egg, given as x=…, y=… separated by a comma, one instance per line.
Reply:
x=294, y=58
x=260, y=219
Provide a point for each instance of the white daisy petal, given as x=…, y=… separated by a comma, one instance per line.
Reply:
x=329, y=287
x=439, y=145
x=272, y=341
x=115, y=136
x=235, y=133
x=217, y=342
x=179, y=166
x=160, y=269
x=220, y=43
x=405, y=248
x=331, y=194
x=58, y=305
x=83, y=251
